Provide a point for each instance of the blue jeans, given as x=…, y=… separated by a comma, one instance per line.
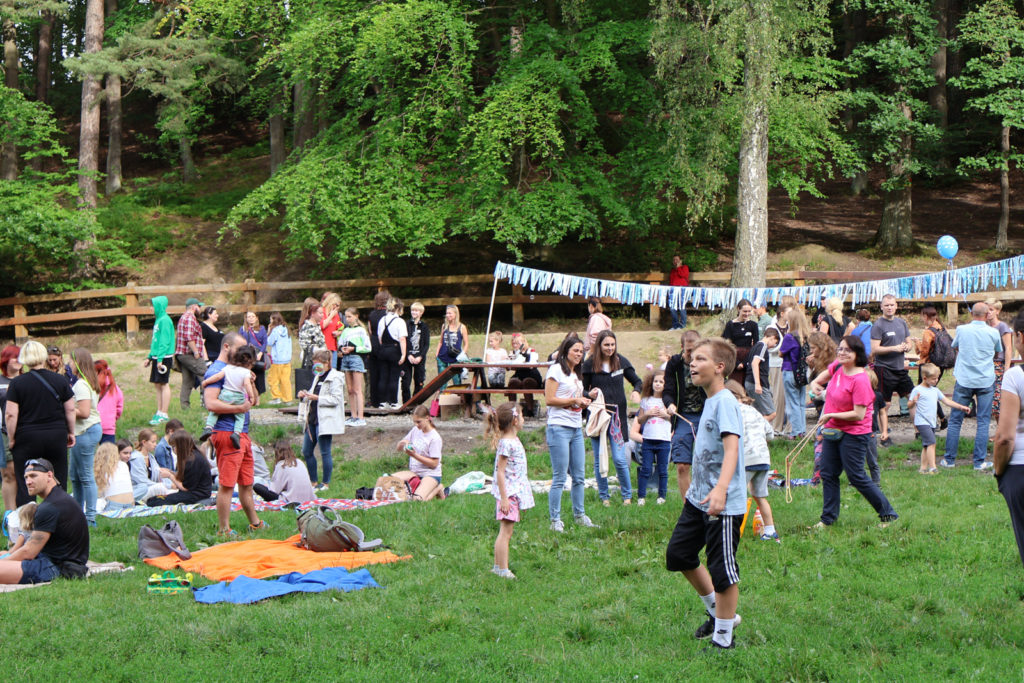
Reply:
x=565, y=444
x=654, y=451
x=621, y=462
x=80, y=471
x=963, y=395
x=311, y=440
x=848, y=454
x=796, y=404
x=678, y=318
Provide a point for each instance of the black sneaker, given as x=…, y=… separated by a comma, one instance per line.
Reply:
x=713, y=646
x=887, y=442
x=207, y=433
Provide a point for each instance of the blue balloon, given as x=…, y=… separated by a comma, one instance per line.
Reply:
x=947, y=247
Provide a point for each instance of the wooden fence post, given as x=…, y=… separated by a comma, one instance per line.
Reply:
x=20, y=331
x=517, y=307
x=654, y=315
x=131, y=325
x=249, y=293
x=952, y=313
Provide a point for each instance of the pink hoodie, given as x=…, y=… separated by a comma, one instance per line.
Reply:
x=110, y=406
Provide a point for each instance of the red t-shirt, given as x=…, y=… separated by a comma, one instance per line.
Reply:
x=679, y=277
x=329, y=327
x=843, y=393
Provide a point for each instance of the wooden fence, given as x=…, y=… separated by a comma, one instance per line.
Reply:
x=248, y=295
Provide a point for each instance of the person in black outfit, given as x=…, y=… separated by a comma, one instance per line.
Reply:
x=193, y=480
x=392, y=338
x=414, y=370
x=606, y=370
x=40, y=416
x=685, y=402
x=212, y=336
x=59, y=544
x=742, y=331
x=373, y=361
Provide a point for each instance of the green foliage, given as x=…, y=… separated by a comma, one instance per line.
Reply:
x=995, y=76
x=895, y=125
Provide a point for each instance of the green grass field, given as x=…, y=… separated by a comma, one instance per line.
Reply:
x=937, y=596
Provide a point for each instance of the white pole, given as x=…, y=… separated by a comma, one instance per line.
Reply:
x=490, y=312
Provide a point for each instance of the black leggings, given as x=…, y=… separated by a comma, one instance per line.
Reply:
x=390, y=373
x=265, y=493
x=51, y=444
x=179, y=497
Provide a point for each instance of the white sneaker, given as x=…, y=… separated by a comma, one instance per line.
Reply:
x=642, y=501
x=583, y=520
x=274, y=402
x=661, y=501
x=558, y=525
x=983, y=467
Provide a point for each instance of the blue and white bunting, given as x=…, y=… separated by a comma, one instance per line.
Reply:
x=956, y=283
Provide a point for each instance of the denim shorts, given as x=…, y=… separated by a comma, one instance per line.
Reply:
x=39, y=570
x=353, y=362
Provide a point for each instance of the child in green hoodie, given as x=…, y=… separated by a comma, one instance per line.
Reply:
x=160, y=358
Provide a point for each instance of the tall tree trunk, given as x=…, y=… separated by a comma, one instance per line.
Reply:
x=277, y=152
x=43, y=56
x=44, y=51
x=895, y=234
x=9, y=152
x=188, y=163
x=937, y=93
x=1004, y=190
x=305, y=114
x=751, y=248
x=89, y=139
x=114, y=127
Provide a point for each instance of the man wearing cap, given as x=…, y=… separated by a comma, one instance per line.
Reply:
x=59, y=544
x=190, y=351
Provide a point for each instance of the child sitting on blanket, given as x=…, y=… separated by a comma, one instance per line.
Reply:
x=511, y=484
x=289, y=483
x=423, y=445
x=19, y=526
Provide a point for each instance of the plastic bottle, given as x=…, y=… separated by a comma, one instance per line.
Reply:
x=758, y=523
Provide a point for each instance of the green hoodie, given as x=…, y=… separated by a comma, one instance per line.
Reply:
x=163, y=330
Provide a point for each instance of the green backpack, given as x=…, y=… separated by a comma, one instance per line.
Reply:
x=332, y=535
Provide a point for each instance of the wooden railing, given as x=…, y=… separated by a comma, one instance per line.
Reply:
x=248, y=295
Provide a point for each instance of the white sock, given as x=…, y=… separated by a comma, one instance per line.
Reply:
x=769, y=529
x=709, y=602
x=723, y=631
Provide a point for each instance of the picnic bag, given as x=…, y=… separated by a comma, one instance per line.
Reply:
x=153, y=543
x=942, y=354
x=800, y=371
x=323, y=531
x=391, y=488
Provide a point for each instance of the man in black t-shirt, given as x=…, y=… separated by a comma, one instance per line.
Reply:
x=59, y=544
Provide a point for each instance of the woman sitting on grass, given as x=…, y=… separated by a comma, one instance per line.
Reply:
x=423, y=446
x=289, y=483
x=113, y=480
x=143, y=467
x=192, y=480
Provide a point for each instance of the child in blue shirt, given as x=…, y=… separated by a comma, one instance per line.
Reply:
x=279, y=348
x=163, y=453
x=716, y=499
x=924, y=401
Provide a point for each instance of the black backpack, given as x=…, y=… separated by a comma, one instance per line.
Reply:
x=800, y=371
x=942, y=354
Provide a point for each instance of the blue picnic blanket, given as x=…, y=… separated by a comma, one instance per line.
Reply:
x=244, y=590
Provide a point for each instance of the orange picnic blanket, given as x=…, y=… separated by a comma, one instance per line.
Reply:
x=260, y=558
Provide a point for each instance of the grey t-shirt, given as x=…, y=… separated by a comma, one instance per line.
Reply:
x=721, y=416
x=890, y=333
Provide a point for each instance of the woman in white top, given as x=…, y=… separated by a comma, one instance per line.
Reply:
x=393, y=336
x=113, y=479
x=775, y=364
x=563, y=393
x=1008, y=453
x=88, y=431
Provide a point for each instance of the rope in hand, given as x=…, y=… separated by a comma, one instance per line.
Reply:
x=794, y=452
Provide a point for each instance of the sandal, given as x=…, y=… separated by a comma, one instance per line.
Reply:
x=262, y=526
x=227, y=533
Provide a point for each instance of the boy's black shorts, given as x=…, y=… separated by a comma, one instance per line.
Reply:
x=695, y=530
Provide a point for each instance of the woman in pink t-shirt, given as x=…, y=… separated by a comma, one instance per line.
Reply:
x=847, y=425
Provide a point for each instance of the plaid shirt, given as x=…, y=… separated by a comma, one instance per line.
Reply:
x=188, y=330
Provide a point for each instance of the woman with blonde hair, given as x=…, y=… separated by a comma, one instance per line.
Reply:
x=453, y=342
x=793, y=345
x=40, y=417
x=834, y=323
x=88, y=431
x=113, y=478
x=1003, y=358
